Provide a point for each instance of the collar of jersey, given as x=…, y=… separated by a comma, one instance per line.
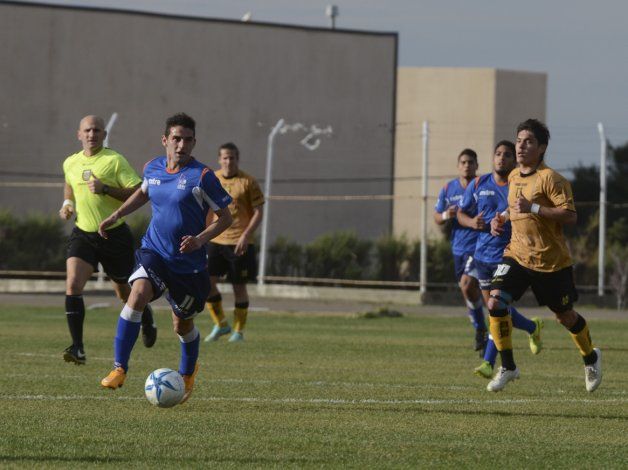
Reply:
x=540, y=166
x=230, y=177
x=174, y=172
x=97, y=154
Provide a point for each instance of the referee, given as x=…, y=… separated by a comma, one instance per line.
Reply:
x=97, y=181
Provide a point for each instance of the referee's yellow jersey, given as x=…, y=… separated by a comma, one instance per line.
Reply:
x=109, y=167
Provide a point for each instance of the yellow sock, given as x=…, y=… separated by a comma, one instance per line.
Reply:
x=501, y=331
x=240, y=315
x=217, y=313
x=583, y=340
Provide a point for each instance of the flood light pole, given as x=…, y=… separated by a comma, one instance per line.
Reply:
x=332, y=12
x=266, y=215
x=602, y=221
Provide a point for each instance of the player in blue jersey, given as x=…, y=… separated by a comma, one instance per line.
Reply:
x=463, y=241
x=173, y=255
x=486, y=196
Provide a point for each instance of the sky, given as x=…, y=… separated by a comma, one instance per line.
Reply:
x=581, y=45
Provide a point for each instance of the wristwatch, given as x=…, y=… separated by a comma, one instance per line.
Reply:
x=105, y=189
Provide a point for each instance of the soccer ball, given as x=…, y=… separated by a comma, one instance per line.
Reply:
x=164, y=388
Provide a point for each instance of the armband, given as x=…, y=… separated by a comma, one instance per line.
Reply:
x=67, y=202
x=535, y=208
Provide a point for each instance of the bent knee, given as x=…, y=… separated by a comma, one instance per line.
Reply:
x=182, y=328
x=566, y=318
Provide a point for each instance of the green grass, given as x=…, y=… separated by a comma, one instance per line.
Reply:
x=310, y=391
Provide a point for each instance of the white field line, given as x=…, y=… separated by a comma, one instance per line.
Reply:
x=324, y=401
x=310, y=383
x=316, y=383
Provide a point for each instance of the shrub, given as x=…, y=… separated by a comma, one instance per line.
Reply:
x=339, y=255
x=285, y=258
x=392, y=255
x=35, y=242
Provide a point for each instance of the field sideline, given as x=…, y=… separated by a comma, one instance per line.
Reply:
x=310, y=390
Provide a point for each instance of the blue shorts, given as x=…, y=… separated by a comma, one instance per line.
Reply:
x=186, y=293
x=460, y=262
x=485, y=273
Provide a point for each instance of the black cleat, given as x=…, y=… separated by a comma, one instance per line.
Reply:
x=74, y=354
x=149, y=329
x=481, y=338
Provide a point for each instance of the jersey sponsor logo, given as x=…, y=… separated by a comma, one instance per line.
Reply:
x=487, y=192
x=154, y=181
x=504, y=329
x=501, y=270
x=182, y=182
x=87, y=174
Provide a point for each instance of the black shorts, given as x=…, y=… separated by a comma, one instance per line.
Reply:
x=114, y=253
x=223, y=260
x=554, y=289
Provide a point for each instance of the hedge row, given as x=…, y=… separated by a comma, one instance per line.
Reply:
x=38, y=242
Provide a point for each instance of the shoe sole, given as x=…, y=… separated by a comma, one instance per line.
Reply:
x=149, y=339
x=111, y=387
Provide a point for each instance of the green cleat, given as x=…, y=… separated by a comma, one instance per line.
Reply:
x=535, y=338
x=484, y=370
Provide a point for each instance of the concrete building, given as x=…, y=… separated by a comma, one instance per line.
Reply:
x=465, y=107
x=334, y=88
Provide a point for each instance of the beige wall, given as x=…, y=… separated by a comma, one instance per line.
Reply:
x=236, y=79
x=465, y=107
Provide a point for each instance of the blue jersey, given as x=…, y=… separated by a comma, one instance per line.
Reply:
x=462, y=239
x=180, y=201
x=485, y=195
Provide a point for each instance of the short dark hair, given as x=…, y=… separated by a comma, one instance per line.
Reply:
x=538, y=128
x=180, y=119
x=506, y=143
x=470, y=152
x=230, y=146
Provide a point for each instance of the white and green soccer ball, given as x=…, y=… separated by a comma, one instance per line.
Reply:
x=164, y=388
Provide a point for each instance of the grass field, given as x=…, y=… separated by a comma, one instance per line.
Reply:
x=311, y=391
